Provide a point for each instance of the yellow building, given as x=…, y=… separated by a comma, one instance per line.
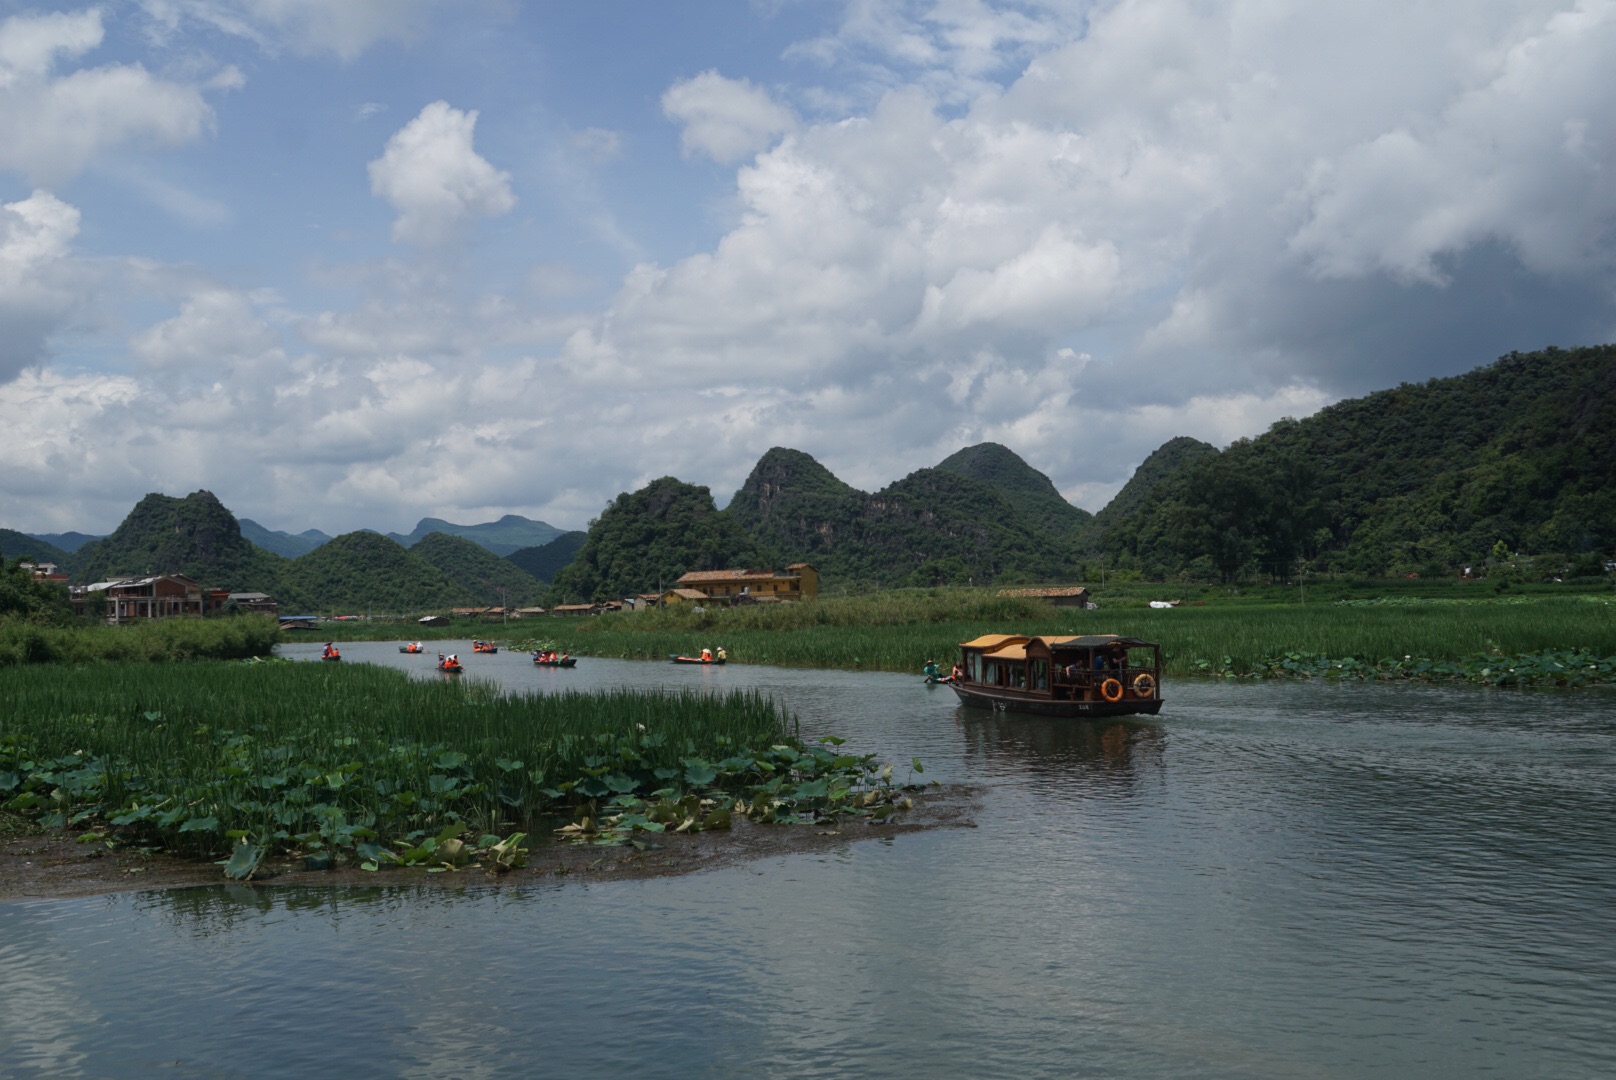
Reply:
x=799, y=581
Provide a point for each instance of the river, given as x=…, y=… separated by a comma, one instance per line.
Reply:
x=1267, y=880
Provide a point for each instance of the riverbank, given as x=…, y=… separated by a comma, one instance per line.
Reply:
x=38, y=863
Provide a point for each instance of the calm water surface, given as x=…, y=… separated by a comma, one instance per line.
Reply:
x=1273, y=880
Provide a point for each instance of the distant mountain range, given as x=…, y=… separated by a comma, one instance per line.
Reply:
x=1517, y=455
x=510, y=533
x=291, y=545
x=68, y=541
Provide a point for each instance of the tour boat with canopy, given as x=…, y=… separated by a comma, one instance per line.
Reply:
x=1079, y=675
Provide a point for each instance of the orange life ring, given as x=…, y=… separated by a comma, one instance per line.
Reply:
x=1144, y=684
x=1111, y=690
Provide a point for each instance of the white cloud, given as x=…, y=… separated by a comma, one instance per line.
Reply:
x=1077, y=229
x=53, y=125
x=215, y=329
x=725, y=119
x=435, y=179
x=344, y=28
x=39, y=283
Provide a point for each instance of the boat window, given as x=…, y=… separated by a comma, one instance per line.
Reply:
x=990, y=672
x=1018, y=675
x=1040, y=674
x=973, y=667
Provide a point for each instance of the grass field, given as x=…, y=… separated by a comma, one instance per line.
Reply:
x=151, y=640
x=901, y=636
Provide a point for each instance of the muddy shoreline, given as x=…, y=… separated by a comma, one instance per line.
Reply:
x=48, y=864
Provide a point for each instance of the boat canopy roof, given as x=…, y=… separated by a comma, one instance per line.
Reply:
x=992, y=642
x=1014, y=646
x=1095, y=641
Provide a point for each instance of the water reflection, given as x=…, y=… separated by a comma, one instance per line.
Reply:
x=1109, y=757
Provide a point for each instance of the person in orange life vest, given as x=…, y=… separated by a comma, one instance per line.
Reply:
x=707, y=656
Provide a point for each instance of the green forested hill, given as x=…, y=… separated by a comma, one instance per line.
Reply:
x=646, y=539
x=797, y=509
x=488, y=577
x=361, y=572
x=935, y=525
x=14, y=544
x=1163, y=462
x=545, y=561
x=1422, y=478
x=195, y=536
x=1021, y=485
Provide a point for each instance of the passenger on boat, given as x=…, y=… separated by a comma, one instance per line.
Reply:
x=706, y=656
x=722, y=655
x=330, y=650
x=957, y=674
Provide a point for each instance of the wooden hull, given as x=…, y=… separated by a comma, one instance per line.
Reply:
x=992, y=697
x=456, y=670
x=485, y=652
x=692, y=660
x=331, y=659
x=571, y=661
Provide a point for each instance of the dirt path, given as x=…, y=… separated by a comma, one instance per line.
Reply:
x=38, y=864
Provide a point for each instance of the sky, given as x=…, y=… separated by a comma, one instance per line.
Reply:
x=349, y=263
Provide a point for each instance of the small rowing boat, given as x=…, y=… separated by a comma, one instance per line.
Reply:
x=693, y=660
x=560, y=661
x=450, y=667
x=413, y=648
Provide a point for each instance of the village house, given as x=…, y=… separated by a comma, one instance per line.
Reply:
x=257, y=602
x=799, y=581
x=44, y=571
x=683, y=596
x=159, y=596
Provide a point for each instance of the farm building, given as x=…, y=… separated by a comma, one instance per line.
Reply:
x=1054, y=595
x=799, y=581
